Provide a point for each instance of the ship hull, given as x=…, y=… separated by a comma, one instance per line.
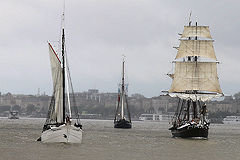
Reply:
x=196, y=132
x=122, y=124
x=65, y=133
x=13, y=117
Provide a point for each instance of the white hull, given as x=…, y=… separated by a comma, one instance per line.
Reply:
x=65, y=133
x=155, y=117
x=231, y=122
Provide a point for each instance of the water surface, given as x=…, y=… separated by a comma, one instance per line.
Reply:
x=145, y=141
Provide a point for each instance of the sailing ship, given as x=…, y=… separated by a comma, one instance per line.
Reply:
x=13, y=114
x=61, y=124
x=120, y=121
x=194, y=82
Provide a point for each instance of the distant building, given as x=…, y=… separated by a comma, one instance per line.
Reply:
x=95, y=102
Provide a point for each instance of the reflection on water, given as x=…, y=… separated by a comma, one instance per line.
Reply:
x=145, y=141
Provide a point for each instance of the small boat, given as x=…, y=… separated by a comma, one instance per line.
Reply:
x=231, y=120
x=120, y=120
x=13, y=115
x=150, y=117
x=194, y=82
x=61, y=125
x=156, y=117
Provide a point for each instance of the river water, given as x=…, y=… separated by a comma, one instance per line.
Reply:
x=145, y=141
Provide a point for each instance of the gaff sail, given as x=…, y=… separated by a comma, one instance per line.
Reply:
x=57, y=98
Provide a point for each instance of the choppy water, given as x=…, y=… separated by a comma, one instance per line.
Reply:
x=146, y=141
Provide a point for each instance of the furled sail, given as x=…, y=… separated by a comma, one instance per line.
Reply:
x=203, y=48
x=195, y=76
x=196, y=97
x=57, y=108
x=199, y=31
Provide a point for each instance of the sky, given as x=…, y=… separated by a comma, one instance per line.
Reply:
x=99, y=32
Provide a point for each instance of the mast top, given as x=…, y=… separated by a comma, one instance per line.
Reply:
x=123, y=58
x=196, y=21
x=123, y=69
x=189, y=20
x=63, y=15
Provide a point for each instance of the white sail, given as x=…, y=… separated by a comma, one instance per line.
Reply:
x=57, y=85
x=203, y=48
x=196, y=97
x=195, y=76
x=199, y=31
x=68, y=84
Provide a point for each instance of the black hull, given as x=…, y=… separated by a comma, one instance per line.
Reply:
x=190, y=132
x=122, y=124
x=13, y=118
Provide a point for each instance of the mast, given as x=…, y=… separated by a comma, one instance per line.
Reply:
x=190, y=21
x=122, y=111
x=63, y=67
x=194, y=103
x=196, y=29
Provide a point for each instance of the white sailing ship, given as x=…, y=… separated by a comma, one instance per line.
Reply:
x=194, y=81
x=61, y=125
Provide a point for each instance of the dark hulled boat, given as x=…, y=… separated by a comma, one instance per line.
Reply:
x=190, y=131
x=195, y=81
x=187, y=124
x=120, y=121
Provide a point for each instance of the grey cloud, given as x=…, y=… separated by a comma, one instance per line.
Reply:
x=99, y=32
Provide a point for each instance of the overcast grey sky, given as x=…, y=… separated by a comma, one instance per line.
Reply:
x=98, y=32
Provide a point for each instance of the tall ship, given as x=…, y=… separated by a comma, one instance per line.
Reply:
x=122, y=116
x=194, y=81
x=63, y=122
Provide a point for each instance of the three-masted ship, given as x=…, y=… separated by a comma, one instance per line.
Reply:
x=120, y=120
x=194, y=81
x=62, y=123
